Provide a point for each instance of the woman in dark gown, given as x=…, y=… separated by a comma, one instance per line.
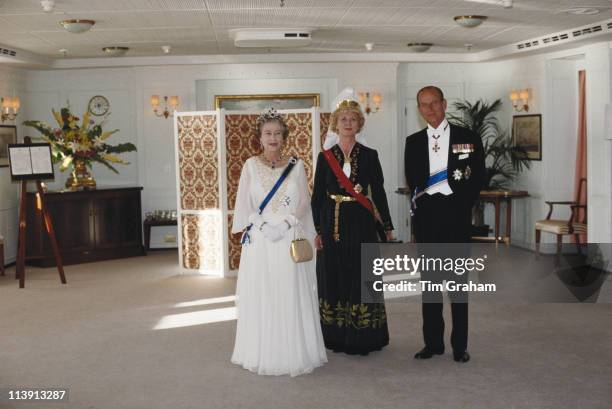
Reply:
x=342, y=224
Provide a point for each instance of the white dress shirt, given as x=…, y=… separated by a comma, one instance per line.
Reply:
x=438, y=160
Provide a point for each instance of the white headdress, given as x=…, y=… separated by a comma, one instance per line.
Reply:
x=346, y=99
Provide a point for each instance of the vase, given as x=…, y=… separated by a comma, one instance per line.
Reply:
x=80, y=178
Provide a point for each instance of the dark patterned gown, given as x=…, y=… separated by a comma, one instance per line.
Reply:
x=348, y=325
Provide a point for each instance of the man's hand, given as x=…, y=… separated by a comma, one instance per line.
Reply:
x=318, y=242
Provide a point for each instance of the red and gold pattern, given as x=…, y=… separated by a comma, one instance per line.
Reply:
x=323, y=125
x=198, y=162
x=202, y=240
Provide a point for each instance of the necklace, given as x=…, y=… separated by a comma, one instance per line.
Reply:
x=271, y=163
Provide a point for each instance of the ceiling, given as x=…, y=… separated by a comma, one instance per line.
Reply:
x=196, y=27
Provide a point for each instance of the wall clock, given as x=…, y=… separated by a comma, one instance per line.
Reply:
x=98, y=105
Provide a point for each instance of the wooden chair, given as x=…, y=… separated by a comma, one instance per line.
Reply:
x=563, y=227
x=1, y=255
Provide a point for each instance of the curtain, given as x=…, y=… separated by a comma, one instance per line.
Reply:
x=580, y=193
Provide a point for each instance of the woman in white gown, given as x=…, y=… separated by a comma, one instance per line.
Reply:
x=278, y=329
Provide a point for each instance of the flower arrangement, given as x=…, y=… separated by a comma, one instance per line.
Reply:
x=71, y=142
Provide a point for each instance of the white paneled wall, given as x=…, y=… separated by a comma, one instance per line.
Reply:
x=11, y=83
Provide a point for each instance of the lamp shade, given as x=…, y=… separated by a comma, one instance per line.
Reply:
x=7, y=102
x=154, y=101
x=16, y=104
x=514, y=96
x=524, y=94
x=174, y=101
x=376, y=98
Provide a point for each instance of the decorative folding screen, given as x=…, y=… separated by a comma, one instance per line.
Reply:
x=211, y=148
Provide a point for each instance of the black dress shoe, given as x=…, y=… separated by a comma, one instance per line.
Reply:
x=462, y=357
x=427, y=353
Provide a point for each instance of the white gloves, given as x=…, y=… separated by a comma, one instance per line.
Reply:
x=256, y=219
x=271, y=233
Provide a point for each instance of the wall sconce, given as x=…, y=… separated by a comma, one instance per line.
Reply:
x=520, y=95
x=10, y=108
x=173, y=104
x=364, y=99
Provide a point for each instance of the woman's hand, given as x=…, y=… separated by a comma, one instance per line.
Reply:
x=389, y=234
x=318, y=242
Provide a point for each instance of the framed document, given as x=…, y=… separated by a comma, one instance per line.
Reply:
x=30, y=161
x=527, y=135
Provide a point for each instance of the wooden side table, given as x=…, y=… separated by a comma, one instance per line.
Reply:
x=151, y=222
x=497, y=197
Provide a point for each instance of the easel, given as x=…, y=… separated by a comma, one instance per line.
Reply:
x=21, y=253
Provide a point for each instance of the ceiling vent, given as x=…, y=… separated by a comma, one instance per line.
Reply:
x=271, y=37
x=6, y=51
x=580, y=33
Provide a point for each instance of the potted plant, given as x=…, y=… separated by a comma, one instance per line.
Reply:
x=503, y=161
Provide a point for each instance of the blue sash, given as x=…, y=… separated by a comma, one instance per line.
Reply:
x=437, y=177
x=246, y=237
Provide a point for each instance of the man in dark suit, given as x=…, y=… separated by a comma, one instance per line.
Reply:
x=445, y=168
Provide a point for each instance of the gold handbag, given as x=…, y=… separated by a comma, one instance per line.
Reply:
x=300, y=250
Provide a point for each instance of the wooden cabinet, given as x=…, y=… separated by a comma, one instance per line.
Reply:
x=90, y=225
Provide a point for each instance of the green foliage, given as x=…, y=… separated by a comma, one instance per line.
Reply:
x=503, y=160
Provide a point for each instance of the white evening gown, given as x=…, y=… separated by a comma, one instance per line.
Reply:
x=278, y=330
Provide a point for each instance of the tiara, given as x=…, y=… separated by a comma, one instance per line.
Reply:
x=269, y=115
x=348, y=103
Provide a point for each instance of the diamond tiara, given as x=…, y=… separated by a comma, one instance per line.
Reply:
x=269, y=115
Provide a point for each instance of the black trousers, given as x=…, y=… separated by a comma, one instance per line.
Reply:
x=443, y=219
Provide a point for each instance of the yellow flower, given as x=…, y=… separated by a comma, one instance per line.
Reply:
x=113, y=158
x=85, y=123
x=58, y=118
x=66, y=163
x=107, y=134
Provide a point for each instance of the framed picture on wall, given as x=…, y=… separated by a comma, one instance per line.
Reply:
x=527, y=135
x=263, y=101
x=8, y=134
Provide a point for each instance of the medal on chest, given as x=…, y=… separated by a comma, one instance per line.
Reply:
x=436, y=146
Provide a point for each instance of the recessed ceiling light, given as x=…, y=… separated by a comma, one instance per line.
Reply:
x=470, y=21
x=369, y=46
x=166, y=49
x=115, y=51
x=419, y=47
x=77, y=26
x=584, y=11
